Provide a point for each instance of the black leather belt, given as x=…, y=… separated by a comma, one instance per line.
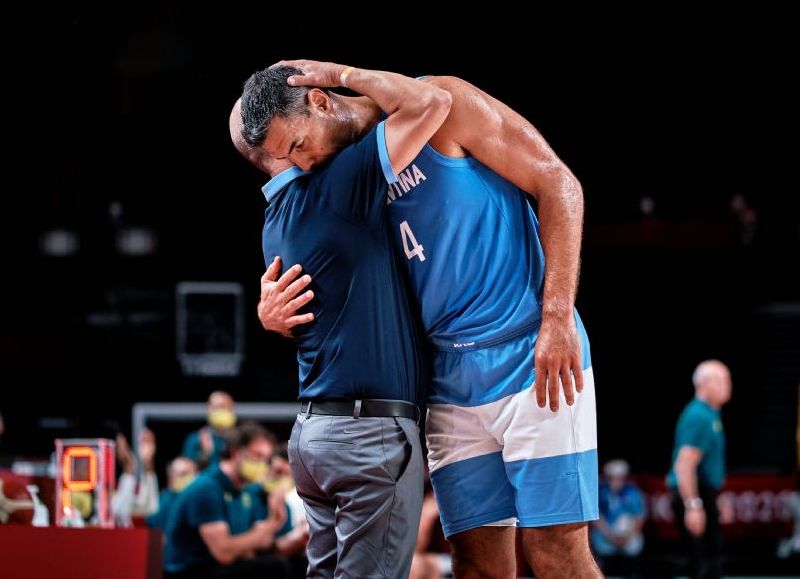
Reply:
x=361, y=408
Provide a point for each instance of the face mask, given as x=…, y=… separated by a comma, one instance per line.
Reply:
x=182, y=482
x=82, y=502
x=221, y=418
x=283, y=483
x=253, y=470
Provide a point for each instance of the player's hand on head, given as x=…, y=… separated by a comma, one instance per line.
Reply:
x=315, y=73
x=281, y=298
x=558, y=361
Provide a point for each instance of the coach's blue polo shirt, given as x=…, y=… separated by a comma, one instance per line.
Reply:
x=363, y=342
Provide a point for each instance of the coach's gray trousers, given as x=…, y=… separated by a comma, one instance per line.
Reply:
x=361, y=482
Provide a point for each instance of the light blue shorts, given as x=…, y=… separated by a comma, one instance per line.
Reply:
x=507, y=461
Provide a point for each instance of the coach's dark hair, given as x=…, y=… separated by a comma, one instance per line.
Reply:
x=265, y=96
x=243, y=435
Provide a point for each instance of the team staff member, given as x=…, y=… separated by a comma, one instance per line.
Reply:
x=213, y=529
x=698, y=468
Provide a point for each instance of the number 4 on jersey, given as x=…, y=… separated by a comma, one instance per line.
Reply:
x=415, y=250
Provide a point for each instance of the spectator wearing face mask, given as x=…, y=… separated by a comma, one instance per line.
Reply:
x=181, y=472
x=205, y=446
x=215, y=529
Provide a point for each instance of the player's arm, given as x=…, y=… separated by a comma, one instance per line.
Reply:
x=415, y=109
x=504, y=141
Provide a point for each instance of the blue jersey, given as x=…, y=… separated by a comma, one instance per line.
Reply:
x=362, y=342
x=470, y=241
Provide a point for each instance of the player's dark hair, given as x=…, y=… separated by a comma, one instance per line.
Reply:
x=265, y=96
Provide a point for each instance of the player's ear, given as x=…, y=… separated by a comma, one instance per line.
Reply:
x=319, y=100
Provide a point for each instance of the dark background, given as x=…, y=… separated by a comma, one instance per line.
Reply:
x=129, y=105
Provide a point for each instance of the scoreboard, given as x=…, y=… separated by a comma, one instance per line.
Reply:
x=85, y=481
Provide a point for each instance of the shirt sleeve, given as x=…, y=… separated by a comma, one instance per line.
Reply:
x=146, y=501
x=204, y=506
x=124, y=499
x=695, y=432
x=191, y=446
x=356, y=181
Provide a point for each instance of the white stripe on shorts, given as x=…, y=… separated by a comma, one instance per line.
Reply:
x=514, y=425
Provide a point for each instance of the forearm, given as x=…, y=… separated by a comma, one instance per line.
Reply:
x=416, y=111
x=561, y=219
x=391, y=91
x=232, y=547
x=687, y=480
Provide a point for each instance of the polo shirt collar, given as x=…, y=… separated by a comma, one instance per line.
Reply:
x=279, y=181
x=706, y=405
x=227, y=484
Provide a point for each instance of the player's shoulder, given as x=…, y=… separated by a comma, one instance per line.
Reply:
x=472, y=110
x=464, y=93
x=206, y=483
x=449, y=83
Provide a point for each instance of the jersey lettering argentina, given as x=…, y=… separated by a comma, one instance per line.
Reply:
x=470, y=241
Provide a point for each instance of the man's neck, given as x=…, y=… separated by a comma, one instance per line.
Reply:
x=704, y=398
x=357, y=116
x=231, y=472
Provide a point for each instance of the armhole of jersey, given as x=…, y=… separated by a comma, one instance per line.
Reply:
x=383, y=154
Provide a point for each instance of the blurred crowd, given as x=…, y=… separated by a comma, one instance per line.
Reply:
x=230, y=507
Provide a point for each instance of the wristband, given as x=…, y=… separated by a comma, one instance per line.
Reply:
x=344, y=74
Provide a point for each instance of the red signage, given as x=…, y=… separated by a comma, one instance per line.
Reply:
x=750, y=505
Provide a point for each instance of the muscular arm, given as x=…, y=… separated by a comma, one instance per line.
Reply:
x=501, y=139
x=415, y=109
